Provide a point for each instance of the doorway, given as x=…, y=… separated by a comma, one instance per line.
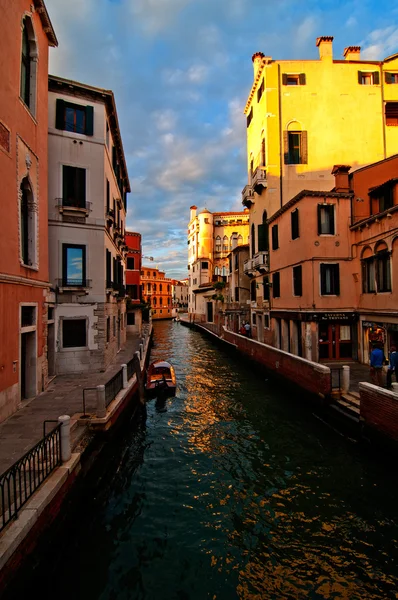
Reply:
x=28, y=365
x=335, y=341
x=51, y=349
x=210, y=312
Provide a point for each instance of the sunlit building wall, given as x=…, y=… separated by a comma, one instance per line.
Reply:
x=157, y=292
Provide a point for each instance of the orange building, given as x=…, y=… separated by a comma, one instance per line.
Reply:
x=157, y=292
x=133, y=280
x=26, y=34
x=334, y=267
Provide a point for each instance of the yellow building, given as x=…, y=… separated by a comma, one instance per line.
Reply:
x=157, y=292
x=211, y=237
x=304, y=117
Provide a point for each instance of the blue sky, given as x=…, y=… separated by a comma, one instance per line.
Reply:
x=181, y=71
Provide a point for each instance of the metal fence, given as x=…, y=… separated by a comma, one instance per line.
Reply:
x=113, y=387
x=130, y=367
x=20, y=481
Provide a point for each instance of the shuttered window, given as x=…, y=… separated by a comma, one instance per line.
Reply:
x=108, y=269
x=298, y=280
x=266, y=287
x=73, y=187
x=368, y=77
x=275, y=237
x=74, y=117
x=330, y=279
x=391, y=112
x=326, y=219
x=293, y=79
x=276, y=285
x=294, y=216
x=391, y=77
x=295, y=147
x=262, y=232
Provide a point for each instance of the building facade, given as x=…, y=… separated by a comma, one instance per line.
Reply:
x=157, y=292
x=180, y=294
x=133, y=281
x=26, y=34
x=87, y=186
x=303, y=117
x=210, y=241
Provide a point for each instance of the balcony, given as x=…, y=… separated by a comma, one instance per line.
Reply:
x=260, y=261
x=259, y=179
x=247, y=196
x=248, y=268
x=73, y=206
x=73, y=285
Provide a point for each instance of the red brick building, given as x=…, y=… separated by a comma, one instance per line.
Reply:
x=157, y=291
x=25, y=36
x=133, y=279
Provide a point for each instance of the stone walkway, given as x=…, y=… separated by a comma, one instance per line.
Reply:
x=64, y=396
x=358, y=373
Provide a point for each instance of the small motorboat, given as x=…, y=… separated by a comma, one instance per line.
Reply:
x=161, y=379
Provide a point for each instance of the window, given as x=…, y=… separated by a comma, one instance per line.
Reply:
x=293, y=79
x=391, y=113
x=275, y=237
x=326, y=219
x=108, y=196
x=297, y=281
x=206, y=220
x=28, y=66
x=383, y=271
x=155, y=301
x=154, y=287
x=160, y=287
x=295, y=144
x=74, y=117
x=73, y=265
x=294, y=216
x=263, y=161
x=160, y=301
x=253, y=239
x=73, y=187
x=27, y=224
x=130, y=263
x=205, y=265
x=130, y=318
x=253, y=295
x=368, y=275
x=391, y=77
x=108, y=329
x=276, y=285
x=382, y=198
x=260, y=91
x=74, y=333
x=236, y=262
x=368, y=77
x=330, y=279
x=236, y=294
x=108, y=269
x=225, y=244
x=266, y=287
x=28, y=316
x=249, y=117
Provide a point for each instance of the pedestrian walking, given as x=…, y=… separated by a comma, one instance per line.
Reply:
x=392, y=366
x=248, y=329
x=377, y=359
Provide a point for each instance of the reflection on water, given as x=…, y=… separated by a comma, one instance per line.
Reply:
x=231, y=490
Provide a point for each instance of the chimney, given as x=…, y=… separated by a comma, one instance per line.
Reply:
x=325, y=45
x=341, y=177
x=193, y=212
x=257, y=59
x=234, y=240
x=352, y=53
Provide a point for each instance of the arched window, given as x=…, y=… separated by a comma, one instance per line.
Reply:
x=383, y=267
x=218, y=244
x=217, y=271
x=263, y=157
x=160, y=301
x=263, y=243
x=253, y=239
x=154, y=301
x=160, y=287
x=225, y=244
x=154, y=287
x=28, y=65
x=27, y=224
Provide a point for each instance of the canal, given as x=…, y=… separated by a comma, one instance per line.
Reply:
x=232, y=489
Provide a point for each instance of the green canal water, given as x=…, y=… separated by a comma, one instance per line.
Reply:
x=232, y=489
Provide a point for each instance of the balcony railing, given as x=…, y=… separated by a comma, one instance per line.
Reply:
x=73, y=205
x=247, y=196
x=248, y=267
x=259, y=179
x=260, y=261
x=73, y=284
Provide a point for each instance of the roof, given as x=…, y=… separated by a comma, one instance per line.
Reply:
x=392, y=57
x=75, y=88
x=304, y=194
x=372, y=190
x=46, y=22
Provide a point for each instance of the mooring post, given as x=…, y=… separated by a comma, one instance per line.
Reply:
x=101, y=407
x=65, y=437
x=345, y=384
x=125, y=379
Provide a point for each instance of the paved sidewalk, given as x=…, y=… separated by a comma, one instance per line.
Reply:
x=64, y=396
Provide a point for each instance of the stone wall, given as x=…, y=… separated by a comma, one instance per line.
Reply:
x=379, y=409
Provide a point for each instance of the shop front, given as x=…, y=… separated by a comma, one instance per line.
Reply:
x=377, y=332
x=337, y=335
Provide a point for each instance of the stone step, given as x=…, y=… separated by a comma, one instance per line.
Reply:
x=351, y=398
x=346, y=410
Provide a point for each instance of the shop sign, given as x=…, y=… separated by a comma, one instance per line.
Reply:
x=331, y=317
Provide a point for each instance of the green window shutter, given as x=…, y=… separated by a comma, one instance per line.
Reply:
x=89, y=120
x=302, y=79
x=376, y=78
x=304, y=148
x=388, y=77
x=284, y=78
x=261, y=229
x=360, y=77
x=286, y=147
x=60, y=114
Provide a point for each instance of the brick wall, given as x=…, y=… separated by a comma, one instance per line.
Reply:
x=310, y=376
x=379, y=409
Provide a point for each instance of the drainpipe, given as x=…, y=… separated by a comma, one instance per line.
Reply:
x=382, y=112
x=280, y=138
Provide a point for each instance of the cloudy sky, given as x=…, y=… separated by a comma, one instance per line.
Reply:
x=181, y=71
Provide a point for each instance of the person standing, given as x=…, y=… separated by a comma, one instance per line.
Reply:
x=392, y=366
x=376, y=365
x=248, y=329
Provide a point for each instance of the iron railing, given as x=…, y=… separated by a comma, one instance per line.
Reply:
x=74, y=283
x=113, y=387
x=130, y=368
x=20, y=481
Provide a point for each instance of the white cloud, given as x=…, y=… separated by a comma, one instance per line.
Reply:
x=306, y=31
x=156, y=15
x=165, y=120
x=380, y=43
x=194, y=74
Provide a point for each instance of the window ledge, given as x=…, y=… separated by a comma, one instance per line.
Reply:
x=74, y=349
x=34, y=267
x=26, y=107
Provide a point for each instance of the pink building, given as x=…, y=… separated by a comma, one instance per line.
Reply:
x=333, y=266
x=26, y=34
